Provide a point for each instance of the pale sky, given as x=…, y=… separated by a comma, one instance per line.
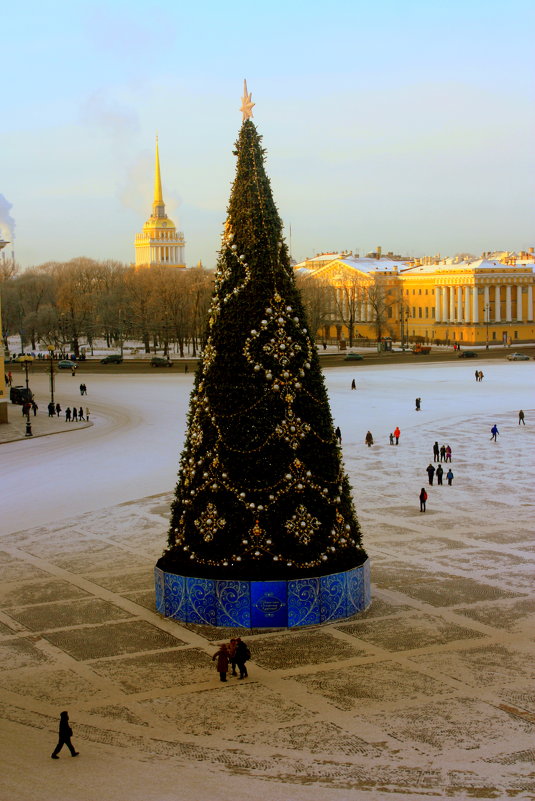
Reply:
x=408, y=125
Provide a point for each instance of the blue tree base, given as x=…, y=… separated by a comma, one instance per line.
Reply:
x=263, y=604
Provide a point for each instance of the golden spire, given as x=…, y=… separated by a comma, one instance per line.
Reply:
x=246, y=103
x=158, y=207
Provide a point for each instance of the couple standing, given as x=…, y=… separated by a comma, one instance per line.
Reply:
x=236, y=653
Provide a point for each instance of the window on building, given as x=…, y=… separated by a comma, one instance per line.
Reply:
x=461, y=336
x=419, y=311
x=390, y=311
x=433, y=312
x=426, y=292
x=515, y=334
x=414, y=292
x=420, y=291
x=427, y=311
x=414, y=311
x=494, y=334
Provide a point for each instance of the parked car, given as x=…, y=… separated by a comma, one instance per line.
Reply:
x=20, y=395
x=518, y=357
x=113, y=359
x=467, y=354
x=158, y=361
x=353, y=357
x=66, y=364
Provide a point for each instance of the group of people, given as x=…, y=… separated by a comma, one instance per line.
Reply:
x=83, y=389
x=442, y=454
x=234, y=654
x=479, y=375
x=439, y=472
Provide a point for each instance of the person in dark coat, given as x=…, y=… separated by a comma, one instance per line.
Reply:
x=81, y=413
x=242, y=655
x=431, y=473
x=338, y=434
x=68, y=414
x=440, y=473
x=74, y=414
x=418, y=403
x=34, y=407
x=51, y=409
x=449, y=476
x=494, y=431
x=436, y=451
x=423, y=499
x=391, y=436
x=65, y=734
x=477, y=375
x=442, y=453
x=521, y=418
x=58, y=409
x=353, y=384
x=369, y=439
x=222, y=662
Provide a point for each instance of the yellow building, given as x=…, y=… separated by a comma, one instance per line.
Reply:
x=160, y=244
x=444, y=301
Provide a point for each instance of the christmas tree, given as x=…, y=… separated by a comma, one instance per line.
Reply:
x=262, y=493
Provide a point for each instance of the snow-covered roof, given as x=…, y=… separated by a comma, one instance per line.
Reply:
x=476, y=264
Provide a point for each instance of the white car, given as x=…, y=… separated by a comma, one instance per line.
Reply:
x=518, y=357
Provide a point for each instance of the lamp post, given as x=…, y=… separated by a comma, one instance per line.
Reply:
x=26, y=360
x=52, y=373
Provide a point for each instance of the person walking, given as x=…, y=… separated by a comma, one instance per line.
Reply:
x=222, y=662
x=391, y=439
x=65, y=734
x=521, y=418
x=440, y=473
x=397, y=434
x=81, y=389
x=34, y=408
x=353, y=384
x=58, y=409
x=81, y=413
x=436, y=451
x=232, y=655
x=430, y=473
x=68, y=414
x=477, y=375
x=242, y=655
x=481, y=375
x=369, y=439
x=449, y=476
x=448, y=454
x=423, y=499
x=74, y=414
x=494, y=431
x=51, y=409
x=338, y=434
x=418, y=403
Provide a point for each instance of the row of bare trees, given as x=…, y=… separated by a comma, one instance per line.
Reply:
x=68, y=304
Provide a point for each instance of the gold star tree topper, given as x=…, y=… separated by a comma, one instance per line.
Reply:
x=246, y=104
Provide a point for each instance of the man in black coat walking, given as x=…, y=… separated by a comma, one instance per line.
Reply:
x=65, y=734
x=430, y=473
x=440, y=473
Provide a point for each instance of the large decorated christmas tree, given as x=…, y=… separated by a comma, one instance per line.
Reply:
x=262, y=493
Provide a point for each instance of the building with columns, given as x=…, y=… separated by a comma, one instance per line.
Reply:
x=469, y=302
x=159, y=244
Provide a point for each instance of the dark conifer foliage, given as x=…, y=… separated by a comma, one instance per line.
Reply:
x=262, y=493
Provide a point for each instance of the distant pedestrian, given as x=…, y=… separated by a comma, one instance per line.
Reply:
x=242, y=655
x=338, y=434
x=51, y=409
x=87, y=412
x=442, y=453
x=477, y=375
x=81, y=389
x=418, y=403
x=494, y=431
x=73, y=373
x=10, y=378
x=423, y=499
x=324, y=345
x=58, y=409
x=436, y=451
x=81, y=414
x=430, y=473
x=397, y=434
x=449, y=476
x=186, y=368
x=391, y=439
x=353, y=384
x=448, y=454
x=222, y=662
x=74, y=414
x=481, y=375
x=65, y=734
x=440, y=473
x=34, y=408
x=68, y=414
x=521, y=418
x=369, y=439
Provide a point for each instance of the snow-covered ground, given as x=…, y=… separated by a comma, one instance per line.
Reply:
x=428, y=694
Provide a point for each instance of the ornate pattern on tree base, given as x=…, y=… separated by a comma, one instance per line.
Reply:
x=263, y=604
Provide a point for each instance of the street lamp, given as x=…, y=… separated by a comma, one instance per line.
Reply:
x=26, y=360
x=52, y=374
